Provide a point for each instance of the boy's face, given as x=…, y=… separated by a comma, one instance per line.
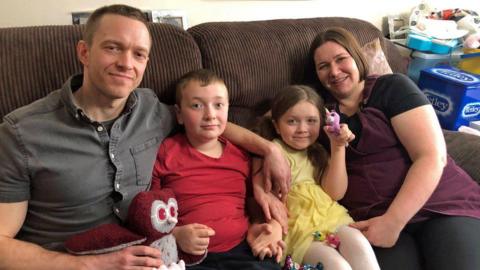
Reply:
x=203, y=111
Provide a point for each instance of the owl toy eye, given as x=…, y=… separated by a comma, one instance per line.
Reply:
x=159, y=215
x=172, y=208
x=162, y=214
x=173, y=212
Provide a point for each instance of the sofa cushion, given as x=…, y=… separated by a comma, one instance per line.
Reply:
x=174, y=53
x=377, y=62
x=465, y=150
x=258, y=58
x=36, y=60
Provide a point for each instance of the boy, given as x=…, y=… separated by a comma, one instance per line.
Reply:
x=209, y=176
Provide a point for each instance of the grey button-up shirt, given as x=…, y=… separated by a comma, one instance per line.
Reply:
x=73, y=172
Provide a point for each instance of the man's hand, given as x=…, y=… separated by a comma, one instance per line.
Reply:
x=134, y=257
x=193, y=238
x=271, y=205
x=380, y=231
x=276, y=171
x=266, y=240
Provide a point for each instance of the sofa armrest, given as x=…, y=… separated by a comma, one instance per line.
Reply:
x=465, y=150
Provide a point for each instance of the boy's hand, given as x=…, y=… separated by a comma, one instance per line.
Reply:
x=265, y=240
x=193, y=238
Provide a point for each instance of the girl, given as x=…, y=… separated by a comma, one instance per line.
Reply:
x=297, y=114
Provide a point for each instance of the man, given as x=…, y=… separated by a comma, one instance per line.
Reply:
x=76, y=158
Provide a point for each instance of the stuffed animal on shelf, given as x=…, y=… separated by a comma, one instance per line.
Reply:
x=152, y=215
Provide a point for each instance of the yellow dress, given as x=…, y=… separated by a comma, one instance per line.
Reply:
x=310, y=209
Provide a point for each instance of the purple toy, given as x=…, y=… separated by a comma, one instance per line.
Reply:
x=291, y=265
x=332, y=119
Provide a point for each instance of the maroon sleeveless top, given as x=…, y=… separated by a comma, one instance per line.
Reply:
x=377, y=167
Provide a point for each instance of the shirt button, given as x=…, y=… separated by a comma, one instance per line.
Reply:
x=116, y=210
x=117, y=185
x=99, y=128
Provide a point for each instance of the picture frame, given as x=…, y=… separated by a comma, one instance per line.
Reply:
x=173, y=17
x=80, y=17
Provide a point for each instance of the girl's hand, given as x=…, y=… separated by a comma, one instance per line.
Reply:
x=193, y=238
x=345, y=135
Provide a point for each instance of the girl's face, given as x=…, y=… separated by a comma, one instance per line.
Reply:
x=299, y=127
x=336, y=70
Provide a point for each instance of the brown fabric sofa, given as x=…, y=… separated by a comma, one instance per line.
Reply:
x=255, y=58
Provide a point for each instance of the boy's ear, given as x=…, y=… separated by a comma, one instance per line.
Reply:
x=179, y=115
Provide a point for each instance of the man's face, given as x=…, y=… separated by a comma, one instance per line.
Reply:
x=115, y=61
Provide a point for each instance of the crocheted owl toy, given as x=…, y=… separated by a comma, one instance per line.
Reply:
x=152, y=215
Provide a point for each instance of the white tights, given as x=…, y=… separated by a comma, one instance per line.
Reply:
x=355, y=252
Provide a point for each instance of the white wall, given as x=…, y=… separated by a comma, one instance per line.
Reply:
x=46, y=12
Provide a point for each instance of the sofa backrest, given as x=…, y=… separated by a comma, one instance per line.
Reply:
x=255, y=58
x=37, y=60
x=258, y=58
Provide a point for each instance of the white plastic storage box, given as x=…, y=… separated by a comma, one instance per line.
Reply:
x=422, y=60
x=454, y=94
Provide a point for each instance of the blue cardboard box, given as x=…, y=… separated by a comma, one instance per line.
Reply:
x=454, y=94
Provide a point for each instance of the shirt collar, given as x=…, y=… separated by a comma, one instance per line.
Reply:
x=74, y=83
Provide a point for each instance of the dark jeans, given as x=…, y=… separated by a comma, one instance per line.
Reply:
x=239, y=257
x=440, y=243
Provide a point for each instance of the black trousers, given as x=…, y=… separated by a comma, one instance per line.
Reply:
x=239, y=257
x=441, y=243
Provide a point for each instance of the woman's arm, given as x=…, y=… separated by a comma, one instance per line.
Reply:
x=420, y=133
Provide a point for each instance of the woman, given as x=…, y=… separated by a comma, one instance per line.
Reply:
x=410, y=200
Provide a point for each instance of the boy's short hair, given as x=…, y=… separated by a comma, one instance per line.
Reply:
x=203, y=76
x=122, y=10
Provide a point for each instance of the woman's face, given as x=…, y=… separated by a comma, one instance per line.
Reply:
x=336, y=70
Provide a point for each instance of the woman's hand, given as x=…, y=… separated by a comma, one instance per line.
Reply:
x=193, y=238
x=380, y=231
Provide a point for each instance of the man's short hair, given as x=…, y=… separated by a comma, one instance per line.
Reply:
x=203, y=76
x=122, y=10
